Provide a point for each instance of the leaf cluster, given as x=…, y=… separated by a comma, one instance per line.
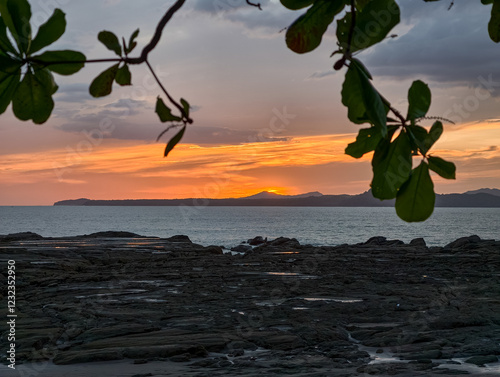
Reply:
x=26, y=75
x=394, y=141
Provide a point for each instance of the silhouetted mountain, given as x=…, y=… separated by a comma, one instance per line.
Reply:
x=495, y=192
x=272, y=195
x=362, y=200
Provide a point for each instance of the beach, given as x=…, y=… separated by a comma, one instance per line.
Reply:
x=128, y=305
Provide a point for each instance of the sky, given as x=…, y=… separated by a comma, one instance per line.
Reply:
x=265, y=118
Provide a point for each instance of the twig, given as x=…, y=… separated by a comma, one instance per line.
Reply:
x=254, y=4
x=435, y=118
x=339, y=64
x=159, y=28
x=398, y=114
x=179, y=107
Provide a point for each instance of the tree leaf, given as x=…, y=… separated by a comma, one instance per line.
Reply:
x=123, y=76
x=164, y=112
x=366, y=141
x=296, y=4
x=494, y=24
x=102, y=85
x=20, y=15
x=9, y=65
x=418, y=135
x=5, y=45
x=66, y=56
x=419, y=100
x=305, y=34
x=33, y=97
x=360, y=4
x=174, y=141
x=444, y=168
x=373, y=22
x=391, y=166
x=434, y=134
x=363, y=102
x=185, y=106
x=131, y=42
x=110, y=40
x=416, y=198
x=50, y=31
x=8, y=86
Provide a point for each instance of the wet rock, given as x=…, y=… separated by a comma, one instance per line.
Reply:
x=242, y=248
x=111, y=234
x=418, y=242
x=481, y=360
x=257, y=241
x=378, y=240
x=212, y=249
x=74, y=357
x=427, y=355
x=89, y=299
x=285, y=242
x=463, y=242
x=180, y=358
x=20, y=236
x=179, y=238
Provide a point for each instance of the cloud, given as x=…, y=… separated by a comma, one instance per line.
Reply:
x=226, y=6
x=77, y=92
x=321, y=75
x=113, y=121
x=259, y=24
x=128, y=103
x=449, y=47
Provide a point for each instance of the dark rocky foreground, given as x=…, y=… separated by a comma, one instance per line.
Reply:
x=376, y=308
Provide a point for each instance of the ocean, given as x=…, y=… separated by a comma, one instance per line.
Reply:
x=229, y=226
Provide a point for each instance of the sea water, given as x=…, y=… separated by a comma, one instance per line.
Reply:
x=229, y=226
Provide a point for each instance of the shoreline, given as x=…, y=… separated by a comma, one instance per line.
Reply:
x=171, y=306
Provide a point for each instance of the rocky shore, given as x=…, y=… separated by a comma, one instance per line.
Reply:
x=169, y=307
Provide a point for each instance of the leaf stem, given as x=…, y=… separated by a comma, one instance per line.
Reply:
x=179, y=107
x=347, y=54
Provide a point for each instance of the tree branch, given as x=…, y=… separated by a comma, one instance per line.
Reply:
x=398, y=114
x=145, y=51
x=339, y=64
x=157, y=35
x=254, y=4
x=179, y=107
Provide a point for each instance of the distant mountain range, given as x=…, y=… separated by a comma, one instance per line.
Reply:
x=495, y=192
x=477, y=198
x=273, y=195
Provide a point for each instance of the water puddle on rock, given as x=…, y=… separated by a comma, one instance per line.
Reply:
x=272, y=302
x=280, y=274
x=291, y=274
x=343, y=300
x=119, y=293
x=458, y=364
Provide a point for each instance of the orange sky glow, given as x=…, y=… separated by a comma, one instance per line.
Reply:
x=125, y=170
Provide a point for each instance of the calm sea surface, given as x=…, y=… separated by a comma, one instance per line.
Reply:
x=229, y=226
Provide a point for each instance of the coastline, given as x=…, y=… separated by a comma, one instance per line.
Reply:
x=277, y=308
